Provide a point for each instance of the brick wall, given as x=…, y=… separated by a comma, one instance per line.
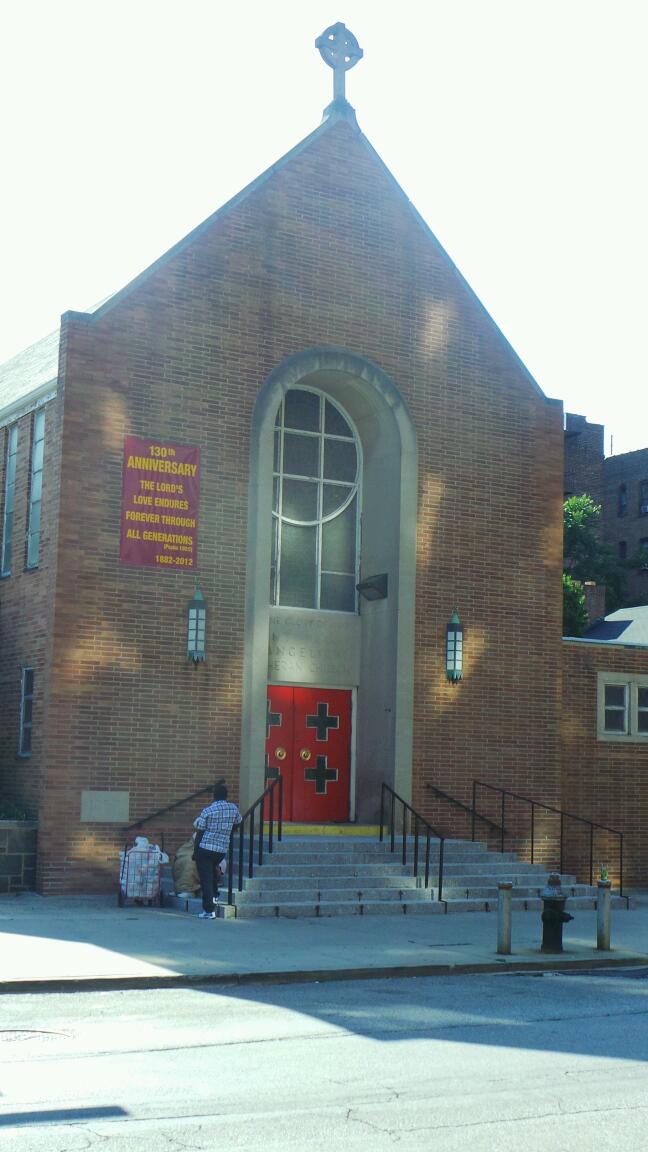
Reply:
x=17, y=856
x=603, y=780
x=325, y=253
x=26, y=608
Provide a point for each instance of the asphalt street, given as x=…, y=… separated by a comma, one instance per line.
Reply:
x=545, y=1061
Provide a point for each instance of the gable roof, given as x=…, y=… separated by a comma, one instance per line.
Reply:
x=625, y=626
x=30, y=378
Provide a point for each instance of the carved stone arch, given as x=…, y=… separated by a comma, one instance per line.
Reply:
x=385, y=683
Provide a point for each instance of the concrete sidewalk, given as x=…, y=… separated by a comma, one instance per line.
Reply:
x=60, y=943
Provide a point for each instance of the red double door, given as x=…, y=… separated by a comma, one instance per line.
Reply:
x=308, y=742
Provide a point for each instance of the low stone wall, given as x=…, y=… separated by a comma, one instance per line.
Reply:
x=17, y=855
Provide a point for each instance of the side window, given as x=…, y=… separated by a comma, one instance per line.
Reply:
x=9, y=498
x=622, y=707
x=643, y=554
x=643, y=498
x=616, y=708
x=26, y=708
x=35, y=490
x=623, y=550
x=622, y=500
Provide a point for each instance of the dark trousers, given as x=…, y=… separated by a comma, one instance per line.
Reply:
x=207, y=864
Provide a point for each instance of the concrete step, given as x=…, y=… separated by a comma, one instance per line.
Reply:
x=454, y=849
x=535, y=879
x=269, y=871
x=495, y=865
x=372, y=879
x=286, y=907
x=343, y=895
x=486, y=892
x=337, y=876
x=530, y=904
x=296, y=909
x=339, y=843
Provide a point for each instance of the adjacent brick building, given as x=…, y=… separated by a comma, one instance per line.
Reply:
x=353, y=416
x=619, y=484
x=625, y=517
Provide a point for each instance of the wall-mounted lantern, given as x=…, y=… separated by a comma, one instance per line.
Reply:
x=374, y=587
x=454, y=649
x=196, y=628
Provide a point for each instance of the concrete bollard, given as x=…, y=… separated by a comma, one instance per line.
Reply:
x=504, y=891
x=603, y=915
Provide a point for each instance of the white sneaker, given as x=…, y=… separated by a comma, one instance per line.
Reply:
x=206, y=915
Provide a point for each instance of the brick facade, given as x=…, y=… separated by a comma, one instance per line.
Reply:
x=602, y=780
x=326, y=252
x=26, y=612
x=17, y=856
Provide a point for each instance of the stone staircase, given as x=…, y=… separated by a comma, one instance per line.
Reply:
x=354, y=875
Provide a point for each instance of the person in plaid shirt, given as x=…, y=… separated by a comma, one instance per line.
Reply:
x=213, y=831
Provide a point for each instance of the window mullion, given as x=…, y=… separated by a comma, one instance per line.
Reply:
x=320, y=499
x=633, y=709
x=280, y=506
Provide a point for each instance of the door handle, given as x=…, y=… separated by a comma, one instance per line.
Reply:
x=305, y=754
x=280, y=753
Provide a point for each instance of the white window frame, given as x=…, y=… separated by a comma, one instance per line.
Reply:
x=26, y=724
x=632, y=683
x=353, y=489
x=9, y=499
x=36, y=479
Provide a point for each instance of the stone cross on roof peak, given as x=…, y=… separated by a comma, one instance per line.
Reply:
x=340, y=50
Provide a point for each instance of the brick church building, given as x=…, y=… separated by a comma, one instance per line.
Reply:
x=303, y=412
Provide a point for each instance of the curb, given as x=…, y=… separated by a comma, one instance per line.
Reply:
x=314, y=976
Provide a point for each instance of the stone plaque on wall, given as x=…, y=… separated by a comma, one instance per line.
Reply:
x=104, y=807
x=320, y=648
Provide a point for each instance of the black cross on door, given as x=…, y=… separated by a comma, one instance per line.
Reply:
x=321, y=775
x=273, y=719
x=322, y=722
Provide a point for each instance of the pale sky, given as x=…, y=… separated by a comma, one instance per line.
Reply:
x=516, y=127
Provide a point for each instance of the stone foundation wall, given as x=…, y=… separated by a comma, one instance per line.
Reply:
x=17, y=855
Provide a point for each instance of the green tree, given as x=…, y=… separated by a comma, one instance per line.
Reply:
x=586, y=557
x=575, y=618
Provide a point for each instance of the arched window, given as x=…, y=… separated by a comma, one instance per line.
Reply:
x=315, y=506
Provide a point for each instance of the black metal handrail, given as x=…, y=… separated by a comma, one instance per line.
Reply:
x=465, y=807
x=243, y=833
x=416, y=819
x=168, y=808
x=592, y=824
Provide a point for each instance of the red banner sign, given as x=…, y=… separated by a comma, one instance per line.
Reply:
x=159, y=523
